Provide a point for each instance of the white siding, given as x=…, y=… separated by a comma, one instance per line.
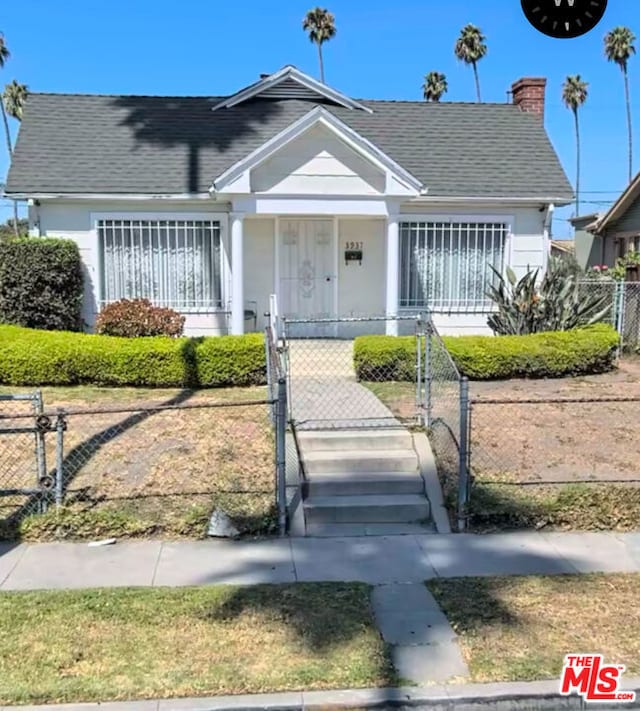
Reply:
x=317, y=163
x=73, y=220
x=361, y=287
x=259, y=266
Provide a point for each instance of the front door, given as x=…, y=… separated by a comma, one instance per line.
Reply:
x=307, y=268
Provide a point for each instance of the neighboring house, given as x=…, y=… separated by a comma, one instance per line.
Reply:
x=562, y=248
x=340, y=206
x=604, y=238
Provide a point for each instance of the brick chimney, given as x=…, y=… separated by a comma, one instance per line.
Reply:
x=528, y=93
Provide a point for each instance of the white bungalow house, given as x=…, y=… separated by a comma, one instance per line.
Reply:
x=339, y=206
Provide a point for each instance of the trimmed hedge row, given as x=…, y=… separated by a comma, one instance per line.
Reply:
x=539, y=355
x=32, y=357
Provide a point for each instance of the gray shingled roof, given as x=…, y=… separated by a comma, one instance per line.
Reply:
x=138, y=144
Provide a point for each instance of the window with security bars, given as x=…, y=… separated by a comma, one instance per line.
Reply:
x=447, y=265
x=173, y=263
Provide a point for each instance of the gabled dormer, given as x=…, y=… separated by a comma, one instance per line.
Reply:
x=290, y=83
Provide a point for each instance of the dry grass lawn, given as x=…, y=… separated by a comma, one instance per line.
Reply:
x=566, y=465
x=520, y=628
x=133, y=472
x=154, y=643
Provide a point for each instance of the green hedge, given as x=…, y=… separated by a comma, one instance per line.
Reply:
x=32, y=357
x=41, y=283
x=540, y=355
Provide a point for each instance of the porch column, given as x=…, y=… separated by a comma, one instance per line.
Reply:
x=237, y=274
x=393, y=273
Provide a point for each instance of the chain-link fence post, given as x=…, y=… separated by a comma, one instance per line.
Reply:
x=41, y=456
x=428, y=373
x=60, y=428
x=281, y=456
x=621, y=307
x=463, y=463
x=420, y=416
x=268, y=347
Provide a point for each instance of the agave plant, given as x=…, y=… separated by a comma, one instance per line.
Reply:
x=558, y=303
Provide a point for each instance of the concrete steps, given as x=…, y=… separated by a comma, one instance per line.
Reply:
x=365, y=481
x=349, y=484
x=398, y=508
x=353, y=530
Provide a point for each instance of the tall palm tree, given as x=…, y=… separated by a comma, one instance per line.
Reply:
x=435, y=86
x=321, y=26
x=4, y=56
x=619, y=47
x=471, y=48
x=574, y=94
x=14, y=98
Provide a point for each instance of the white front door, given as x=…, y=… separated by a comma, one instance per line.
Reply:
x=307, y=268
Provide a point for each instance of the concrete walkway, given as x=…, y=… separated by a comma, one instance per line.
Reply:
x=376, y=560
x=324, y=390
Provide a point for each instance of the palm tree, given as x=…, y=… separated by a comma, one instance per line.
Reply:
x=4, y=55
x=618, y=47
x=574, y=94
x=471, y=48
x=321, y=26
x=435, y=86
x=14, y=98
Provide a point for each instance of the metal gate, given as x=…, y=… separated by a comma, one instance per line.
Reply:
x=26, y=486
x=332, y=385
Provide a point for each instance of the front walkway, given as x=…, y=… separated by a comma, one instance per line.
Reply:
x=394, y=559
x=324, y=391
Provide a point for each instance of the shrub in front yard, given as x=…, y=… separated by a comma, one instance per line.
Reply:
x=33, y=357
x=138, y=317
x=540, y=355
x=231, y=360
x=41, y=283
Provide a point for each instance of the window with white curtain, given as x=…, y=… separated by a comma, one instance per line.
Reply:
x=173, y=263
x=447, y=265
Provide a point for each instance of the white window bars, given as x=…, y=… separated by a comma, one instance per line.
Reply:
x=173, y=263
x=447, y=265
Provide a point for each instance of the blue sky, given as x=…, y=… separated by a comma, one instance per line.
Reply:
x=382, y=50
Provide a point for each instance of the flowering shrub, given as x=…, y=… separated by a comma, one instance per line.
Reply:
x=139, y=317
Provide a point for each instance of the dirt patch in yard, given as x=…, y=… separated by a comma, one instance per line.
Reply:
x=568, y=465
x=132, y=469
x=591, y=440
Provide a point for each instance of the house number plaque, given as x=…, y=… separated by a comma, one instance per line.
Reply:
x=353, y=252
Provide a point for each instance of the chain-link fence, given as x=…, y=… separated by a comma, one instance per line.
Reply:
x=623, y=302
x=520, y=449
x=335, y=385
x=445, y=416
x=142, y=468
x=24, y=478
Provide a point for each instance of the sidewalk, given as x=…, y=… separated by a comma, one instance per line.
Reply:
x=376, y=560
